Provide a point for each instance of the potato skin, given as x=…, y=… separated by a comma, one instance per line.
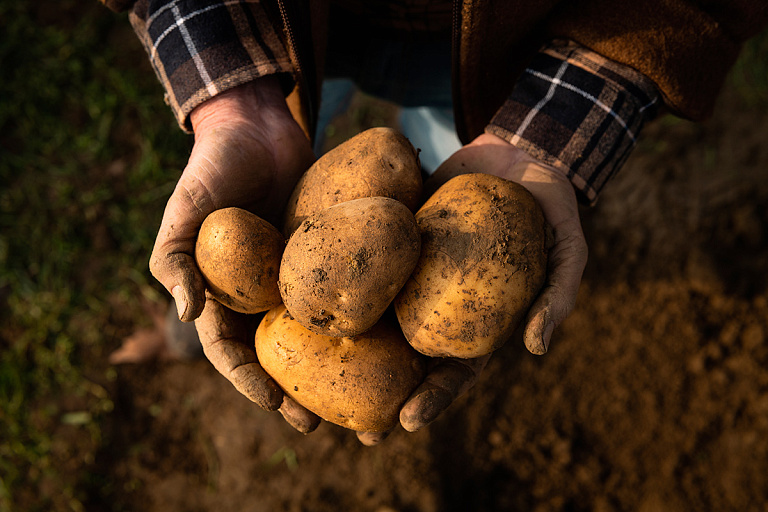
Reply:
x=357, y=382
x=343, y=267
x=377, y=162
x=239, y=255
x=483, y=262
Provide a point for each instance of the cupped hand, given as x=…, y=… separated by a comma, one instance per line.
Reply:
x=248, y=152
x=449, y=378
x=553, y=191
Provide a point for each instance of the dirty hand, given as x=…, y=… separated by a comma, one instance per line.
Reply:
x=446, y=380
x=249, y=153
x=449, y=378
x=553, y=191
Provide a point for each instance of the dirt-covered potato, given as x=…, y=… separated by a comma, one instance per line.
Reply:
x=239, y=255
x=358, y=382
x=377, y=162
x=483, y=261
x=343, y=267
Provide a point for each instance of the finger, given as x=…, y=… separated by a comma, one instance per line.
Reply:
x=444, y=383
x=297, y=416
x=226, y=338
x=372, y=438
x=567, y=260
x=567, y=256
x=172, y=261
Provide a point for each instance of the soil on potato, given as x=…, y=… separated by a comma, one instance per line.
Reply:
x=653, y=396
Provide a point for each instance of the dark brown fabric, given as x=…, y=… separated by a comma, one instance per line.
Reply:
x=493, y=42
x=685, y=47
x=404, y=15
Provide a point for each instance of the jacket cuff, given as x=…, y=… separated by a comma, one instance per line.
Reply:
x=200, y=48
x=578, y=112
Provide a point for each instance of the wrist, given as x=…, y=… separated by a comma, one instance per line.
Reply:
x=514, y=157
x=246, y=104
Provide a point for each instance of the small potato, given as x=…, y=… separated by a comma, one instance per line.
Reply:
x=377, y=162
x=483, y=262
x=343, y=266
x=357, y=382
x=239, y=255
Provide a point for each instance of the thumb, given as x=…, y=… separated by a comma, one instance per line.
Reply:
x=172, y=261
x=557, y=299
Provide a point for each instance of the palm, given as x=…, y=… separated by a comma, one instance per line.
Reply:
x=554, y=193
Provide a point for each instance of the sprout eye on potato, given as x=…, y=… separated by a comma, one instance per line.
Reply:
x=343, y=267
x=377, y=162
x=483, y=261
x=239, y=255
x=357, y=382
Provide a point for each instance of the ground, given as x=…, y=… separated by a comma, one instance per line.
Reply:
x=652, y=397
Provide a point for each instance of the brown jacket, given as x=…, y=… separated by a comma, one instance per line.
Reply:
x=685, y=47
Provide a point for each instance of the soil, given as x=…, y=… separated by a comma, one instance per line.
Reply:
x=652, y=397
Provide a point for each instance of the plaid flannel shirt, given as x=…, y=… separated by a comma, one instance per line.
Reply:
x=578, y=112
x=571, y=108
x=201, y=48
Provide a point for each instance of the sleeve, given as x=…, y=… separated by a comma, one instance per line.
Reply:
x=200, y=48
x=578, y=112
x=686, y=47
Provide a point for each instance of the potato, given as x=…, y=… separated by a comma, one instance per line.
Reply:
x=377, y=162
x=343, y=267
x=358, y=382
x=239, y=255
x=483, y=261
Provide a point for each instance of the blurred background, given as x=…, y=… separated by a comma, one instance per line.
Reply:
x=654, y=395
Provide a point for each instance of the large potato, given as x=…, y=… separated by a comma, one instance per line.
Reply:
x=377, y=162
x=343, y=267
x=359, y=382
x=483, y=261
x=239, y=255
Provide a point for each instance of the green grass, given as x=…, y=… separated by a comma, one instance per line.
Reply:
x=88, y=155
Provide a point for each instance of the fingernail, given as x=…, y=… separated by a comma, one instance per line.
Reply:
x=430, y=404
x=372, y=438
x=181, y=304
x=545, y=338
x=274, y=396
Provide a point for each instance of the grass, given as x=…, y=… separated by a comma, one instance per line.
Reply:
x=89, y=155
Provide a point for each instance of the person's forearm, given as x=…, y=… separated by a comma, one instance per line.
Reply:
x=686, y=47
x=199, y=53
x=577, y=112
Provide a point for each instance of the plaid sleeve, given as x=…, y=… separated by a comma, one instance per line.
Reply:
x=201, y=48
x=578, y=112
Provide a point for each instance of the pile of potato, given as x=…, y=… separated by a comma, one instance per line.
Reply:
x=459, y=272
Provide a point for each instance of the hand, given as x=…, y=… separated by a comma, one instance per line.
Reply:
x=553, y=191
x=248, y=152
x=449, y=378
